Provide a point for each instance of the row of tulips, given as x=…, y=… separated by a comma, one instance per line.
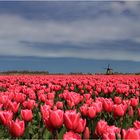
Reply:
x=70, y=107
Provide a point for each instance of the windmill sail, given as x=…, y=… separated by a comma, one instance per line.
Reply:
x=109, y=70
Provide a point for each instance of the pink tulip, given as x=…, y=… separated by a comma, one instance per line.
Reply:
x=71, y=119
x=71, y=136
x=86, y=134
x=101, y=127
x=26, y=114
x=6, y=117
x=17, y=128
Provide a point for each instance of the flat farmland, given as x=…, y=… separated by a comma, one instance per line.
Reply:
x=70, y=107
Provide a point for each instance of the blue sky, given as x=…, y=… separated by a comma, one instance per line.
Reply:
x=70, y=36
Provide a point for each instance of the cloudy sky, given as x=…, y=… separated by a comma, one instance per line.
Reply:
x=62, y=36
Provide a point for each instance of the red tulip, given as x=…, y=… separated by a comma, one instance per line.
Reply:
x=1, y=105
x=45, y=111
x=3, y=99
x=117, y=100
x=29, y=104
x=98, y=105
x=53, y=119
x=56, y=118
x=110, y=89
x=91, y=112
x=26, y=115
x=109, y=136
x=71, y=136
x=81, y=126
x=86, y=134
x=59, y=105
x=101, y=127
x=19, y=97
x=70, y=103
x=72, y=88
x=108, y=105
x=89, y=101
x=84, y=109
x=49, y=102
x=32, y=96
x=17, y=128
x=5, y=117
x=98, y=89
x=131, y=111
x=134, y=102
x=111, y=133
x=13, y=106
x=137, y=124
x=87, y=96
x=42, y=97
x=130, y=134
x=51, y=96
x=119, y=110
x=71, y=119
x=139, y=112
x=82, y=91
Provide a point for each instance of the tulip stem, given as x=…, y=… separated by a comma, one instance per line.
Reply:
x=55, y=134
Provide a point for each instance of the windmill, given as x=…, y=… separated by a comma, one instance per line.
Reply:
x=109, y=70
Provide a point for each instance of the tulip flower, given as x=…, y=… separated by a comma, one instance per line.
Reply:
x=19, y=97
x=137, y=124
x=45, y=111
x=134, y=102
x=81, y=126
x=13, y=106
x=59, y=105
x=131, y=111
x=109, y=136
x=101, y=127
x=98, y=105
x=53, y=119
x=71, y=136
x=26, y=115
x=108, y=105
x=87, y=96
x=42, y=97
x=51, y=96
x=111, y=133
x=32, y=96
x=17, y=128
x=119, y=110
x=6, y=117
x=56, y=118
x=84, y=109
x=86, y=134
x=131, y=134
x=98, y=89
x=71, y=119
x=1, y=105
x=29, y=104
x=3, y=99
x=117, y=100
x=139, y=112
x=91, y=112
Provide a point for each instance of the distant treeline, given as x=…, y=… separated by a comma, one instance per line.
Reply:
x=71, y=73
x=24, y=72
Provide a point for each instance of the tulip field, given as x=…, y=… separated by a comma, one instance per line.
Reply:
x=70, y=107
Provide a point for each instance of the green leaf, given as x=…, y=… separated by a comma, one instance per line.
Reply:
x=39, y=116
x=46, y=134
x=35, y=136
x=61, y=133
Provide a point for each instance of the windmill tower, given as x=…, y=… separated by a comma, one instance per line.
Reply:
x=109, y=70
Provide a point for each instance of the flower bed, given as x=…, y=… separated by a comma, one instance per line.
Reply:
x=70, y=107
